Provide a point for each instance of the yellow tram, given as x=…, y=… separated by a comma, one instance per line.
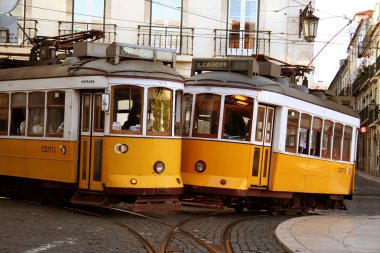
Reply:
x=95, y=125
x=253, y=142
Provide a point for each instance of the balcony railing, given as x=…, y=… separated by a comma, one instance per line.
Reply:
x=369, y=116
x=364, y=115
x=367, y=73
x=66, y=27
x=30, y=31
x=241, y=42
x=180, y=39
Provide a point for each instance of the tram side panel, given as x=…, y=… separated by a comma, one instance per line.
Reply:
x=294, y=172
x=39, y=157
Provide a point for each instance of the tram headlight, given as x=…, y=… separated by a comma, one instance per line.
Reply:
x=159, y=167
x=200, y=166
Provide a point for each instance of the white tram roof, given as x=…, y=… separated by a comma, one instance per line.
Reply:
x=98, y=67
x=236, y=80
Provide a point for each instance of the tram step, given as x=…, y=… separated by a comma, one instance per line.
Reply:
x=89, y=198
x=154, y=203
x=210, y=202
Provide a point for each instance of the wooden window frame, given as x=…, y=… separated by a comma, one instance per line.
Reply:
x=32, y=107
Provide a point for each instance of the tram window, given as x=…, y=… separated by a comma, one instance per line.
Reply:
x=36, y=122
x=304, y=133
x=291, y=131
x=326, y=140
x=260, y=123
x=178, y=113
x=126, y=111
x=55, y=113
x=269, y=125
x=337, y=144
x=86, y=112
x=4, y=110
x=237, y=117
x=18, y=114
x=98, y=114
x=206, y=116
x=159, y=111
x=316, y=133
x=186, y=111
x=347, y=138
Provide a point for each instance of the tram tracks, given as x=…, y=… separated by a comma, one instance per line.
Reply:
x=177, y=236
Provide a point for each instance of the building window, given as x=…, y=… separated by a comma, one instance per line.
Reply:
x=55, y=113
x=165, y=27
x=166, y=12
x=88, y=11
x=206, y=116
x=347, y=140
x=4, y=111
x=187, y=107
x=316, y=133
x=18, y=114
x=327, y=137
x=304, y=134
x=127, y=108
x=237, y=117
x=242, y=23
x=36, y=118
x=159, y=111
x=291, y=131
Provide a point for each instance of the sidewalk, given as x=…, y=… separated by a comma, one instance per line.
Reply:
x=330, y=234
x=327, y=233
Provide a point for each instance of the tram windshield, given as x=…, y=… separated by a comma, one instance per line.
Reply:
x=126, y=113
x=206, y=116
x=237, y=117
x=159, y=111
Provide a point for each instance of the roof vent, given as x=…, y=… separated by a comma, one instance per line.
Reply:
x=302, y=88
x=70, y=61
x=319, y=94
x=283, y=80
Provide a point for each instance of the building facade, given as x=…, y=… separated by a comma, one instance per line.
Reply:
x=359, y=77
x=196, y=28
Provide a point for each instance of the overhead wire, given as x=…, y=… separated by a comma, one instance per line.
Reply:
x=202, y=35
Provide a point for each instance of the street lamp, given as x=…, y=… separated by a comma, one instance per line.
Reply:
x=308, y=23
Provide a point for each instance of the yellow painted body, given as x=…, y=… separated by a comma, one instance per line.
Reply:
x=303, y=174
x=138, y=162
x=45, y=160
x=39, y=159
x=288, y=173
x=224, y=160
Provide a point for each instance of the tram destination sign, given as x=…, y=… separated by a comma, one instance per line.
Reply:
x=245, y=65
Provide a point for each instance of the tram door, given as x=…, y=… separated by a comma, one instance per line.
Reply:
x=91, y=141
x=262, y=152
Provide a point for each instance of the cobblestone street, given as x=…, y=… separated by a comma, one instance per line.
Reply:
x=31, y=228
